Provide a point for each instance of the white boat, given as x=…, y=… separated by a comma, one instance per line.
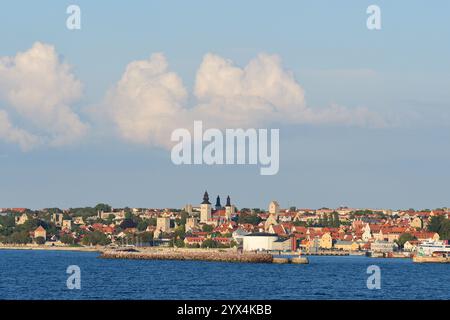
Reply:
x=427, y=248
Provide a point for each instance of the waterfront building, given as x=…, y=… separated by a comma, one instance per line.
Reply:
x=411, y=246
x=346, y=245
x=192, y=241
x=163, y=224
x=265, y=241
x=205, y=209
x=383, y=246
x=326, y=241
x=40, y=232
x=239, y=234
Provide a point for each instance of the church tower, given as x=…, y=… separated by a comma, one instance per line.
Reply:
x=205, y=209
x=218, y=205
x=229, y=209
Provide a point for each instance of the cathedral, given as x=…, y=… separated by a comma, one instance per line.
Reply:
x=220, y=214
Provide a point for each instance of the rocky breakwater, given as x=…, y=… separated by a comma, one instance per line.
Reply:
x=204, y=255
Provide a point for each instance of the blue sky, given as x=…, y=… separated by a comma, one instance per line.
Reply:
x=401, y=73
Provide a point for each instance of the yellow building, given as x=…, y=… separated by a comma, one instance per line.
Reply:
x=346, y=245
x=416, y=223
x=40, y=232
x=326, y=241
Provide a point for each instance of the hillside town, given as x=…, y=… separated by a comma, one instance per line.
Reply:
x=311, y=231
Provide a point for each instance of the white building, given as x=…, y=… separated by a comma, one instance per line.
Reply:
x=239, y=235
x=383, y=246
x=265, y=241
x=367, y=234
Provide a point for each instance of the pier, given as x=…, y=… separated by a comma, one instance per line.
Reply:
x=318, y=253
x=431, y=259
x=201, y=255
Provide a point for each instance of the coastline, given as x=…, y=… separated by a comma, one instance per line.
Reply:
x=222, y=255
x=50, y=248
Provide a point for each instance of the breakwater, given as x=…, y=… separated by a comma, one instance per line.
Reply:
x=218, y=256
x=428, y=259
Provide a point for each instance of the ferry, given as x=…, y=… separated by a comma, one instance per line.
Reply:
x=433, y=252
x=427, y=248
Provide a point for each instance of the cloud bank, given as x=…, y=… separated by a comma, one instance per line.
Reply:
x=150, y=101
x=39, y=89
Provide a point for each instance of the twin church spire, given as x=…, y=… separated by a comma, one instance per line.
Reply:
x=218, y=205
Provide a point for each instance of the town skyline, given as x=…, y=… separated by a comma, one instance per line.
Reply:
x=216, y=223
x=221, y=198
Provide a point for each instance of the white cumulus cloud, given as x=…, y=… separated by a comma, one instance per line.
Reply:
x=147, y=102
x=9, y=133
x=261, y=92
x=39, y=89
x=150, y=101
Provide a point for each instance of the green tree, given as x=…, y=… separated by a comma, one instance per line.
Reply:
x=179, y=243
x=103, y=207
x=180, y=232
x=146, y=237
x=128, y=223
x=246, y=217
x=95, y=238
x=336, y=222
x=441, y=225
x=404, y=237
x=435, y=223
x=19, y=237
x=67, y=239
x=152, y=222
x=142, y=225
x=207, y=228
x=40, y=240
x=209, y=243
x=182, y=219
x=299, y=223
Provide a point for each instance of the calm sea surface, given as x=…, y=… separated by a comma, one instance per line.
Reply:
x=42, y=275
